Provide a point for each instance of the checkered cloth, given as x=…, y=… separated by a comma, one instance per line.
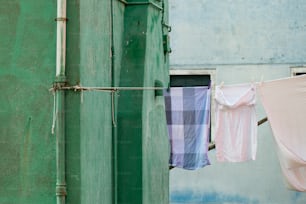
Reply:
x=188, y=120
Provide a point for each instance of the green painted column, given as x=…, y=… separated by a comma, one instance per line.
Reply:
x=143, y=147
x=88, y=114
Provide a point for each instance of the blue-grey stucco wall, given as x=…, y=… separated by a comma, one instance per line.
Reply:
x=243, y=41
x=235, y=32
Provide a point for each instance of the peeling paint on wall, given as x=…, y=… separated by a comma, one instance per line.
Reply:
x=189, y=196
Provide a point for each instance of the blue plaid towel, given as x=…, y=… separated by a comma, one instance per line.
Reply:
x=188, y=120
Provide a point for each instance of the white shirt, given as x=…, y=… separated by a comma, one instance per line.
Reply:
x=236, y=123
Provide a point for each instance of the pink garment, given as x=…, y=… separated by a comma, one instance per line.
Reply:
x=236, y=123
x=285, y=104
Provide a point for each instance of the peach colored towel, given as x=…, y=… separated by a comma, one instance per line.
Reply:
x=284, y=101
x=236, y=123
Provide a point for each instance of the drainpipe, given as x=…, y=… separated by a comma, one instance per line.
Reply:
x=60, y=80
x=114, y=108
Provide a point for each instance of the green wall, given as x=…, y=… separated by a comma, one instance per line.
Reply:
x=142, y=133
x=95, y=111
x=90, y=175
x=100, y=166
x=27, y=61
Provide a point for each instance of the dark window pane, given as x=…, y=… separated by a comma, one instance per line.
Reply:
x=189, y=80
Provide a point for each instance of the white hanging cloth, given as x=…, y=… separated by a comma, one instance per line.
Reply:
x=284, y=101
x=236, y=123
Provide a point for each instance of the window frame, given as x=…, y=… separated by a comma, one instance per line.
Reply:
x=212, y=74
x=295, y=71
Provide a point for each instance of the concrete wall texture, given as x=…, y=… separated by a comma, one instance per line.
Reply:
x=237, y=32
x=141, y=117
x=243, y=41
x=27, y=53
x=112, y=155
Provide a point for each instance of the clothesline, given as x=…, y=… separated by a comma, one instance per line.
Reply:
x=289, y=136
x=112, y=90
x=106, y=89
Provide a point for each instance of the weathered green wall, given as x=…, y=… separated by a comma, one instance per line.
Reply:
x=155, y=145
x=95, y=111
x=97, y=159
x=73, y=121
x=89, y=118
x=142, y=133
x=27, y=61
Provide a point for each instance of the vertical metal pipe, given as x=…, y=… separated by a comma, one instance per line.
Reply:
x=60, y=148
x=60, y=80
x=114, y=102
x=61, y=39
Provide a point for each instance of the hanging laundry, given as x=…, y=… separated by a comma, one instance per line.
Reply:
x=188, y=120
x=236, y=123
x=284, y=101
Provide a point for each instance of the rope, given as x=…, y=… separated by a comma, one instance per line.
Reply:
x=54, y=113
x=113, y=108
x=105, y=89
x=111, y=90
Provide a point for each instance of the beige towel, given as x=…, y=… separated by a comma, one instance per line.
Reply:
x=284, y=101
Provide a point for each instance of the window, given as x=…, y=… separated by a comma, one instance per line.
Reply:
x=196, y=77
x=296, y=71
